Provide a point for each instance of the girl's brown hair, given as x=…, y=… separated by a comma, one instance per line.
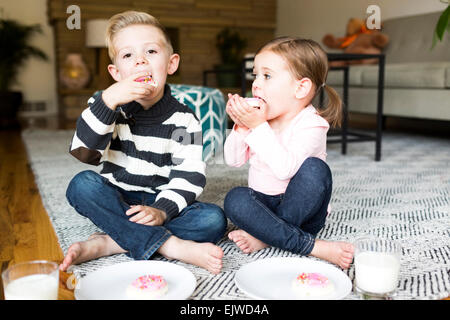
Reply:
x=306, y=59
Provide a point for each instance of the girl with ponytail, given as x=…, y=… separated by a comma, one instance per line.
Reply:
x=284, y=139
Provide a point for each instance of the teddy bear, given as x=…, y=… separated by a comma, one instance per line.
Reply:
x=359, y=39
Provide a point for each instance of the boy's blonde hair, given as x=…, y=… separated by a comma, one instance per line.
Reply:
x=306, y=59
x=128, y=18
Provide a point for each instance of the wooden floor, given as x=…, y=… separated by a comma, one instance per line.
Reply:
x=26, y=232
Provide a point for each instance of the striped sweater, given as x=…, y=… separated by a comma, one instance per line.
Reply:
x=158, y=150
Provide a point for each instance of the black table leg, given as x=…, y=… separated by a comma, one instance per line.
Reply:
x=321, y=98
x=381, y=63
x=345, y=113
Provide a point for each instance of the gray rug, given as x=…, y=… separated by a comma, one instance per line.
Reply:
x=405, y=197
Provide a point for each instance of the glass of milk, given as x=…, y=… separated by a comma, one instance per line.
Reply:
x=32, y=280
x=377, y=266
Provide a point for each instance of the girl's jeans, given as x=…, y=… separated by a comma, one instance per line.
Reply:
x=94, y=197
x=289, y=221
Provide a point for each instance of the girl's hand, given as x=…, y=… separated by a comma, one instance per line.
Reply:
x=247, y=115
x=146, y=215
x=126, y=90
x=230, y=111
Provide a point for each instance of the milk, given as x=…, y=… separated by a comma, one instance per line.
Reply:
x=376, y=272
x=33, y=287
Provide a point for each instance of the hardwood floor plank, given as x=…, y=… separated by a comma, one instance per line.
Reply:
x=7, y=158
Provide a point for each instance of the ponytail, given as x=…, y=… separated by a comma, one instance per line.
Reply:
x=333, y=112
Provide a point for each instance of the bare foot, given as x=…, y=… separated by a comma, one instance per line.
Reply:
x=205, y=255
x=246, y=242
x=337, y=252
x=98, y=245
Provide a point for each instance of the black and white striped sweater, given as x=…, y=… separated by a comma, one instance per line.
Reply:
x=158, y=150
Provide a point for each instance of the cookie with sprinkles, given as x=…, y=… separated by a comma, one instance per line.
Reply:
x=147, y=287
x=147, y=79
x=312, y=285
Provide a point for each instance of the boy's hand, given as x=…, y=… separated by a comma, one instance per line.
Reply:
x=146, y=215
x=126, y=90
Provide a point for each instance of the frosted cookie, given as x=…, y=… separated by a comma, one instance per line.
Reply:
x=147, y=287
x=253, y=102
x=310, y=285
x=147, y=79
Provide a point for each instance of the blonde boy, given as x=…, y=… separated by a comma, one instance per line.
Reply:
x=150, y=147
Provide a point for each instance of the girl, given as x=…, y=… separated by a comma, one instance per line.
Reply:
x=284, y=139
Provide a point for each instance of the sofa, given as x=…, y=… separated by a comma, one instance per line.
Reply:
x=417, y=78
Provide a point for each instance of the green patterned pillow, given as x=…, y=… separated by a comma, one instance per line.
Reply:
x=209, y=107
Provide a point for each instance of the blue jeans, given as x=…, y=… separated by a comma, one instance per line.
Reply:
x=291, y=220
x=94, y=197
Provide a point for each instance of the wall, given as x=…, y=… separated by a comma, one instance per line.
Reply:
x=37, y=78
x=313, y=19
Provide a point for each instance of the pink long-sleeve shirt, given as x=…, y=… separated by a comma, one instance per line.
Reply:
x=275, y=157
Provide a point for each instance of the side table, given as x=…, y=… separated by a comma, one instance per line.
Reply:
x=347, y=135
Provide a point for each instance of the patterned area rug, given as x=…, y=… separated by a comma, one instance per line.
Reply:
x=406, y=197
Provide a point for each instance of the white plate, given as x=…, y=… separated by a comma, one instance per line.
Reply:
x=110, y=283
x=271, y=279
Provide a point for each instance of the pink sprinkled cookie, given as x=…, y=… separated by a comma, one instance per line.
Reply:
x=147, y=287
x=147, y=79
x=311, y=285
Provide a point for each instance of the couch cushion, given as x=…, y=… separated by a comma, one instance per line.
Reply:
x=447, y=77
x=410, y=39
x=336, y=77
x=409, y=75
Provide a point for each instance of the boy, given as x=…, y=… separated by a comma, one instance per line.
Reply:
x=151, y=149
